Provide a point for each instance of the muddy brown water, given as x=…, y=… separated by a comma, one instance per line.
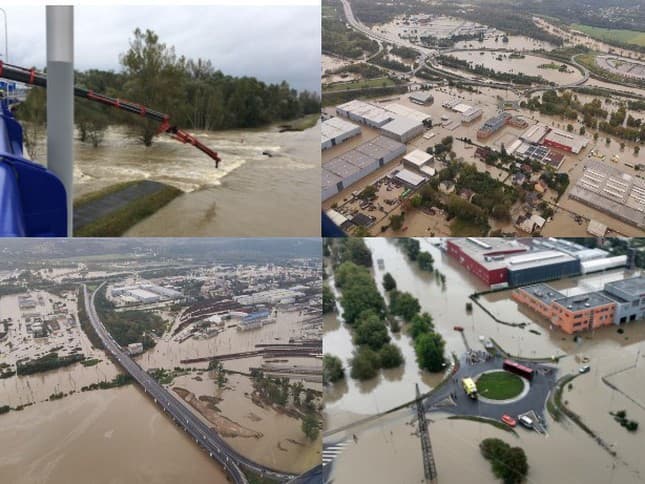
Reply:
x=250, y=193
x=103, y=437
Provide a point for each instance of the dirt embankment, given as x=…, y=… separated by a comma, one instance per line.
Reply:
x=224, y=426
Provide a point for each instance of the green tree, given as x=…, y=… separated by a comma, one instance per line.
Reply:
x=328, y=300
x=332, y=369
x=429, y=348
x=310, y=426
x=154, y=78
x=388, y=282
x=420, y=324
x=404, y=304
x=370, y=330
x=396, y=222
x=355, y=250
x=365, y=364
x=390, y=356
x=33, y=113
x=425, y=261
x=508, y=463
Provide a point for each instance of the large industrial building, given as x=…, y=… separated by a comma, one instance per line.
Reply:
x=143, y=292
x=394, y=120
x=494, y=124
x=421, y=97
x=618, y=303
x=556, y=138
x=402, y=129
x=335, y=131
x=344, y=170
x=511, y=263
x=612, y=191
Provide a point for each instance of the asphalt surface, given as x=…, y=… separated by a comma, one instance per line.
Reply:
x=460, y=404
x=217, y=448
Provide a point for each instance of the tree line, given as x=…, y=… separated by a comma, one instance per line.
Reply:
x=192, y=92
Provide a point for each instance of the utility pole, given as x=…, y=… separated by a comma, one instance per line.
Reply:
x=6, y=36
x=429, y=467
x=60, y=99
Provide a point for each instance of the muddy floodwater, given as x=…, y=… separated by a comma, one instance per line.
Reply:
x=566, y=450
x=249, y=194
x=100, y=437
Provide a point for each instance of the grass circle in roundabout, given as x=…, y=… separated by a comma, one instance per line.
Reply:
x=499, y=385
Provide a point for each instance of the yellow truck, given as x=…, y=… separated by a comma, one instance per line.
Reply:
x=469, y=387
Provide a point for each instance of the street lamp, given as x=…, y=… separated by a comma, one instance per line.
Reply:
x=6, y=36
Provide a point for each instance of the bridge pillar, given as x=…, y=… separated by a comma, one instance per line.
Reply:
x=60, y=99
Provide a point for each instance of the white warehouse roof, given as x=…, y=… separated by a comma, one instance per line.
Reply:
x=418, y=158
x=400, y=126
x=407, y=112
x=409, y=177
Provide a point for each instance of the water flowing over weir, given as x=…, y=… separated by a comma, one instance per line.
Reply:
x=250, y=194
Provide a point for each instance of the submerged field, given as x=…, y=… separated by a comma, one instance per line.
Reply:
x=616, y=35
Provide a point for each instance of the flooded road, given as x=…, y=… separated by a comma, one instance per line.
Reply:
x=250, y=193
x=102, y=437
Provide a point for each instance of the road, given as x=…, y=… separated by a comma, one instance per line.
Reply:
x=217, y=448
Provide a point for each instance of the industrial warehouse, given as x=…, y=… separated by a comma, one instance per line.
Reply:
x=346, y=169
x=608, y=189
x=502, y=262
x=141, y=292
x=619, y=302
x=334, y=131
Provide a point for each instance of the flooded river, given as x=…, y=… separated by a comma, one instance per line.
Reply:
x=102, y=437
x=250, y=193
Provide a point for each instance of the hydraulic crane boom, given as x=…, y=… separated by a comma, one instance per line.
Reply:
x=30, y=76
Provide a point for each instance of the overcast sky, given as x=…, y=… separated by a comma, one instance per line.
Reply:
x=272, y=43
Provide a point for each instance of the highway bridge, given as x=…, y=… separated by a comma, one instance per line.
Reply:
x=217, y=448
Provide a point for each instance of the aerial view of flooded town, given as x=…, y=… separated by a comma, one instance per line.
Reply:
x=483, y=118
x=480, y=359
x=160, y=360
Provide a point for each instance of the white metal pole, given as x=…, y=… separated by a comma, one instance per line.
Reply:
x=60, y=99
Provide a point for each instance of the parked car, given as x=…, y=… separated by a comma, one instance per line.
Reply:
x=508, y=420
x=526, y=421
x=584, y=369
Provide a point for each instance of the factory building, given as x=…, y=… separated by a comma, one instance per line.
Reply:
x=618, y=303
x=612, y=191
x=493, y=125
x=364, y=113
x=406, y=112
x=503, y=262
x=484, y=258
x=335, y=131
x=419, y=160
x=423, y=98
x=409, y=178
x=629, y=295
x=255, y=321
x=541, y=265
x=471, y=114
x=344, y=170
x=556, y=138
x=402, y=129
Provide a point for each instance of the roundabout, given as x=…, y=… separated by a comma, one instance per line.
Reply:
x=500, y=387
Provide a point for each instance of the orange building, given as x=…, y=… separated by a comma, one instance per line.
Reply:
x=571, y=314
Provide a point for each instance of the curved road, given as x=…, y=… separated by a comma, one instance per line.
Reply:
x=217, y=448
